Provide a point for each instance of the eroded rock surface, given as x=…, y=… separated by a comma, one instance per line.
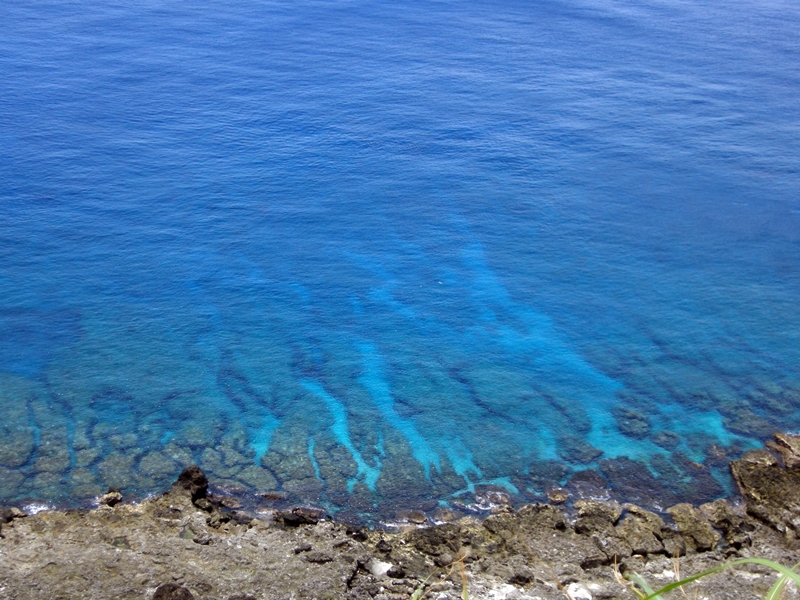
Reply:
x=189, y=544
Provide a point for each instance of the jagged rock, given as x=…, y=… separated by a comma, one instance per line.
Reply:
x=735, y=527
x=641, y=530
x=194, y=480
x=788, y=446
x=412, y=516
x=557, y=495
x=694, y=527
x=9, y=514
x=772, y=493
x=608, y=511
x=436, y=540
x=172, y=591
x=111, y=497
x=300, y=515
x=318, y=557
x=544, y=516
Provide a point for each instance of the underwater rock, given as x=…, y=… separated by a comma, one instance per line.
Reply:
x=632, y=423
x=52, y=453
x=17, y=446
x=233, y=458
x=87, y=456
x=447, y=482
x=10, y=482
x=588, y=483
x=198, y=436
x=124, y=441
x=335, y=463
x=700, y=487
x=742, y=420
x=180, y=454
x=402, y=478
x=117, y=471
x=633, y=480
x=46, y=480
x=716, y=456
x=211, y=461
x=669, y=440
x=258, y=477
x=546, y=472
x=158, y=466
x=288, y=457
x=576, y=450
x=665, y=468
x=308, y=487
x=80, y=476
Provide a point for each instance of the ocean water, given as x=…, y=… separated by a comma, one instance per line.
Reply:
x=376, y=255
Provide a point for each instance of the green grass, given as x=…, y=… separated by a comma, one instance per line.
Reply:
x=645, y=592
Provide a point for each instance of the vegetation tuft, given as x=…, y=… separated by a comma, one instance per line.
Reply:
x=645, y=592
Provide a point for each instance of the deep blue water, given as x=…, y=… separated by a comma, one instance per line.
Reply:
x=374, y=254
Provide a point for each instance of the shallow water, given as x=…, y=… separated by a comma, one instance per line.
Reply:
x=374, y=256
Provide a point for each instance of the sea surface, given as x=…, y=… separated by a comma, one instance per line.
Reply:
x=381, y=255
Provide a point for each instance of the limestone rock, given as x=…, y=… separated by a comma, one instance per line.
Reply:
x=694, y=527
x=608, y=511
x=788, y=446
x=772, y=493
x=111, y=498
x=557, y=495
x=641, y=530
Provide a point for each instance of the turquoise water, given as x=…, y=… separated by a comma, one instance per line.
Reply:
x=377, y=257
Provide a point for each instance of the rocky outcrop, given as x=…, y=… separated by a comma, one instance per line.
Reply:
x=189, y=543
x=772, y=490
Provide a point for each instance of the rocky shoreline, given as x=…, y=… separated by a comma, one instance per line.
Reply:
x=188, y=543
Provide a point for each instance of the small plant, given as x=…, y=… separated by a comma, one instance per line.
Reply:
x=645, y=592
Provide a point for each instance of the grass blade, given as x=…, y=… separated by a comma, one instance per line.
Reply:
x=776, y=591
x=638, y=580
x=788, y=573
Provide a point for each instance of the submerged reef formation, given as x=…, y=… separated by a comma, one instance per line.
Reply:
x=192, y=544
x=67, y=450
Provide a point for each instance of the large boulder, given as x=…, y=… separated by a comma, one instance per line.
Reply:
x=772, y=491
